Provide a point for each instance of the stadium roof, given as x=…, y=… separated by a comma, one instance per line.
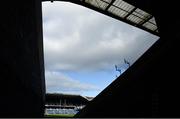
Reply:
x=122, y=11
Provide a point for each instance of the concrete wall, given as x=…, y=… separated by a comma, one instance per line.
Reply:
x=22, y=88
x=65, y=99
x=150, y=87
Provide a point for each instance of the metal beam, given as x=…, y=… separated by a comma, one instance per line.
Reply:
x=108, y=14
x=130, y=12
x=146, y=20
x=109, y=5
x=114, y=16
x=156, y=30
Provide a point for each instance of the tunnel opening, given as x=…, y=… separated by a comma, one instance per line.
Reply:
x=83, y=49
x=149, y=88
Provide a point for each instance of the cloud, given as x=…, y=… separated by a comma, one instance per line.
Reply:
x=78, y=39
x=62, y=83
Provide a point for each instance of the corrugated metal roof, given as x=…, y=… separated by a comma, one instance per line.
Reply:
x=127, y=12
x=121, y=10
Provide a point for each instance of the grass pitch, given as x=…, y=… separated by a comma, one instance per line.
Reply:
x=60, y=115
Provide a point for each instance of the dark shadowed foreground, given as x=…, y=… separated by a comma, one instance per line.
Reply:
x=149, y=88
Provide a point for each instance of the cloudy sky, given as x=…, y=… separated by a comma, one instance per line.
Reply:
x=82, y=46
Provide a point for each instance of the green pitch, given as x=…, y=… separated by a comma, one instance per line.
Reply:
x=59, y=115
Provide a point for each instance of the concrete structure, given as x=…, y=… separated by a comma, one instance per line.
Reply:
x=66, y=100
x=64, y=103
x=22, y=87
x=149, y=88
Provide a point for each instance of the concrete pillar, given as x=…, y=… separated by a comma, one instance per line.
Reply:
x=168, y=17
x=150, y=87
x=22, y=85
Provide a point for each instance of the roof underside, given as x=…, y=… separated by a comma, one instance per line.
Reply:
x=122, y=11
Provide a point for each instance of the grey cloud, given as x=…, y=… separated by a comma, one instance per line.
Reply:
x=76, y=39
x=63, y=83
